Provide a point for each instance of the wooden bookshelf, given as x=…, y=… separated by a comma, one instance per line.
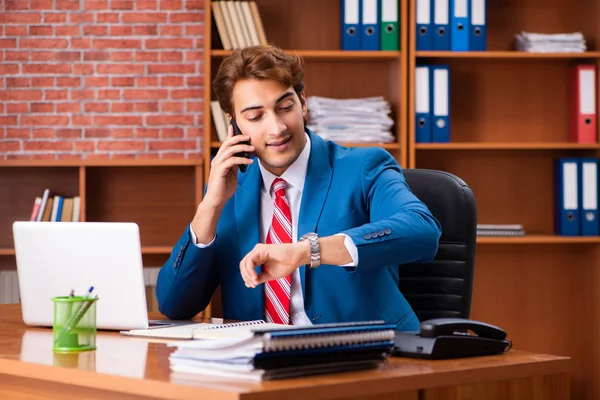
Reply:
x=538, y=239
x=311, y=28
x=508, y=146
x=506, y=54
x=389, y=146
x=509, y=115
x=330, y=54
x=161, y=196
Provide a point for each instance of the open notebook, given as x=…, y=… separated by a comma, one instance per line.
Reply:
x=205, y=330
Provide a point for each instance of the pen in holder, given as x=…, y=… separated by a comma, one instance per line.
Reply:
x=74, y=327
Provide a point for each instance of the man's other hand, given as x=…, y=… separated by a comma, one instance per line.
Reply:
x=278, y=261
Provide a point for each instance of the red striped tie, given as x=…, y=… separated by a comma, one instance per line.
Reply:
x=277, y=292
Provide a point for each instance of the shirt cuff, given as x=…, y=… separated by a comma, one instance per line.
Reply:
x=201, y=246
x=351, y=247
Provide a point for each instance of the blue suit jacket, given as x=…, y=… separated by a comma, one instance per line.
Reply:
x=357, y=191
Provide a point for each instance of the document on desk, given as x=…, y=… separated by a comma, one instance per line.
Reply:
x=205, y=330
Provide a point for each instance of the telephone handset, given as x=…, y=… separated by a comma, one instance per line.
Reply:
x=451, y=338
x=237, y=131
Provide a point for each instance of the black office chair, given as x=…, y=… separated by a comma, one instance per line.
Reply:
x=443, y=287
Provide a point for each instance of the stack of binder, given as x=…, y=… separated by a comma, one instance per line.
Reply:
x=285, y=353
x=550, y=43
x=451, y=25
x=432, y=104
x=362, y=120
x=370, y=25
x=576, y=197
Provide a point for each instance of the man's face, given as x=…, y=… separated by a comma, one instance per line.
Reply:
x=272, y=115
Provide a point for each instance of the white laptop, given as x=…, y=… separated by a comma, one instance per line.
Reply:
x=54, y=258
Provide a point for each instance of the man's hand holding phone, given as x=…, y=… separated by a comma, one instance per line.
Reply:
x=222, y=183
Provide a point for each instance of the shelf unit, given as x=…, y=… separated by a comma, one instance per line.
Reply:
x=509, y=114
x=311, y=28
x=330, y=54
x=161, y=196
x=506, y=54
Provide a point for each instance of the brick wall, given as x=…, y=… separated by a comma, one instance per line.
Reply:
x=101, y=79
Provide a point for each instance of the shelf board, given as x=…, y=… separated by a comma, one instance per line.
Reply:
x=156, y=250
x=508, y=146
x=7, y=252
x=175, y=162
x=504, y=54
x=388, y=146
x=538, y=239
x=329, y=54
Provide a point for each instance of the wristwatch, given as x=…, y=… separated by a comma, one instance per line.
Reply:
x=315, y=250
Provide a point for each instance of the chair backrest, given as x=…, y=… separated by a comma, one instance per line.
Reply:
x=443, y=287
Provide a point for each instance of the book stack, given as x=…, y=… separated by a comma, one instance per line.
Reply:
x=500, y=230
x=285, y=352
x=238, y=24
x=550, y=43
x=361, y=120
x=55, y=208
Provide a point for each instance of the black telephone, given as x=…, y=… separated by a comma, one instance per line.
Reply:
x=237, y=131
x=451, y=338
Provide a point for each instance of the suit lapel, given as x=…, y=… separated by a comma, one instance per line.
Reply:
x=247, y=215
x=314, y=193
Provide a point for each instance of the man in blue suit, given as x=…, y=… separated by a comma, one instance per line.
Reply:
x=350, y=218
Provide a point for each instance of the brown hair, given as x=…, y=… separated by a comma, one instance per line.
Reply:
x=257, y=62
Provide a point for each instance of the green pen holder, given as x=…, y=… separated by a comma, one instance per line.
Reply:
x=74, y=327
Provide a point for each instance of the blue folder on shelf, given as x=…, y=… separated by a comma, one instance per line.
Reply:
x=478, y=35
x=351, y=25
x=422, y=104
x=440, y=100
x=441, y=25
x=370, y=25
x=459, y=25
x=588, y=196
x=423, y=34
x=566, y=193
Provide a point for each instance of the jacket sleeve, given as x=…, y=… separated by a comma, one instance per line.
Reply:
x=402, y=229
x=188, y=279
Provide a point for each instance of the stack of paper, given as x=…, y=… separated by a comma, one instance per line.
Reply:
x=264, y=354
x=363, y=120
x=550, y=43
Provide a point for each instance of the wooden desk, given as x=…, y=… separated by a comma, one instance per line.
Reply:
x=133, y=368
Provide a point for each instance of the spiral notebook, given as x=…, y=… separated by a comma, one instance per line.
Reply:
x=204, y=330
x=287, y=339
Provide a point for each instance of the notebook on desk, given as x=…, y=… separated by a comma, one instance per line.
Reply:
x=204, y=330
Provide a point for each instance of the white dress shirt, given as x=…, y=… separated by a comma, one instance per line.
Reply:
x=294, y=176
